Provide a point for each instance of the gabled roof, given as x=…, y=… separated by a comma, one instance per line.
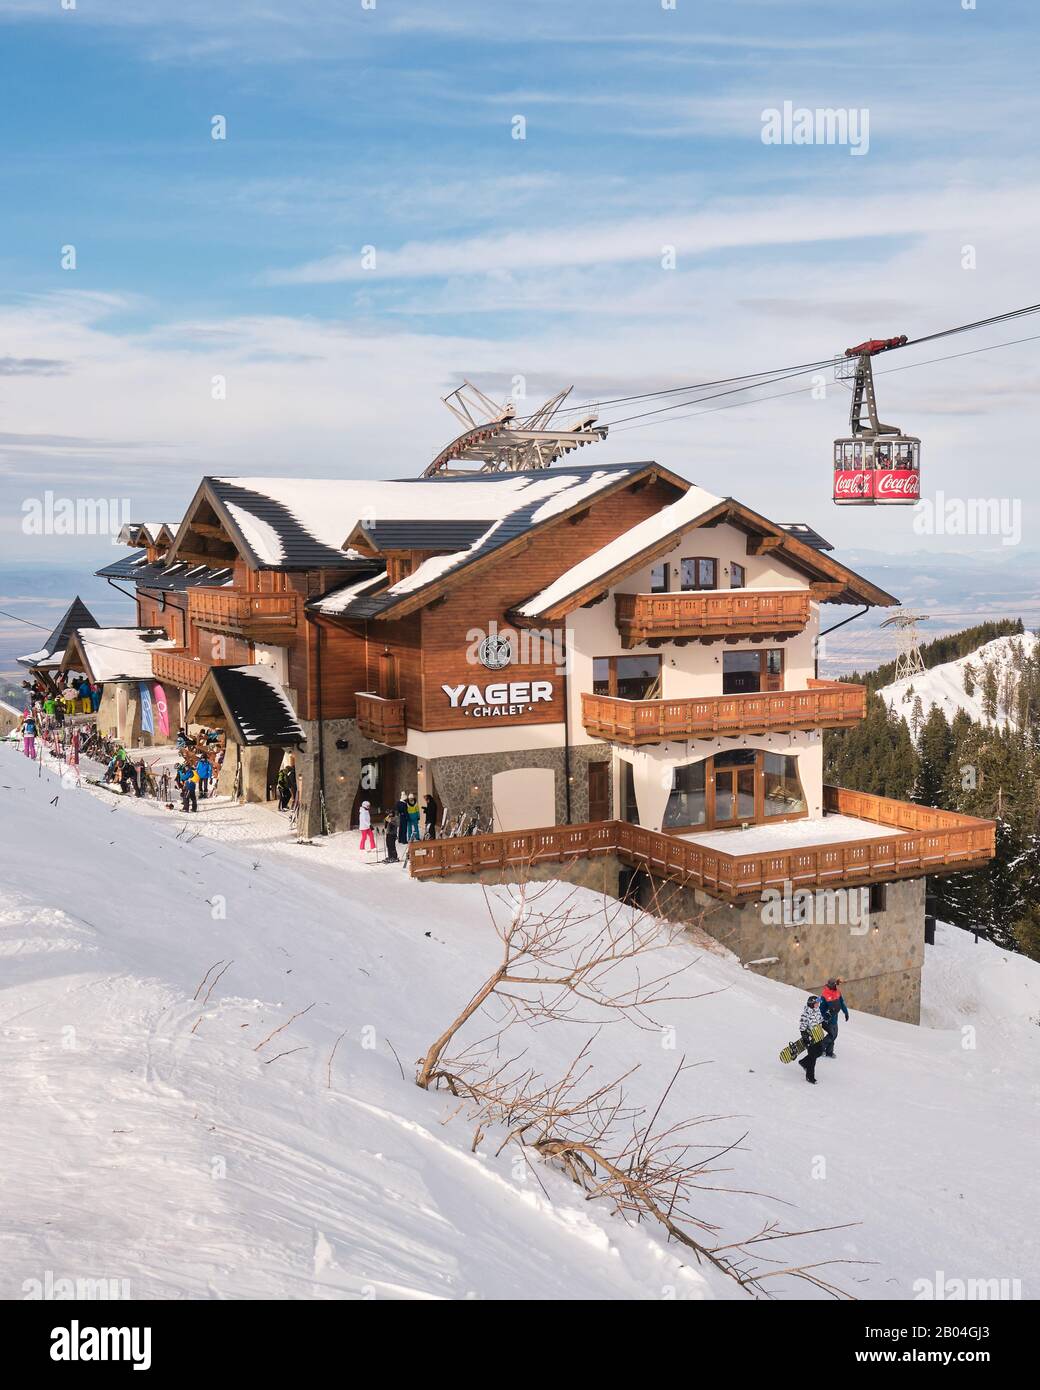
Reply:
x=305, y=524
x=253, y=701
x=50, y=654
x=657, y=535
x=524, y=507
x=175, y=578
x=115, y=653
x=147, y=533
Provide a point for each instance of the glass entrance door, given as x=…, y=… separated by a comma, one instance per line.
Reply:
x=734, y=794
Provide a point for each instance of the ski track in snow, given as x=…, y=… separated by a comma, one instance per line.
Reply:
x=148, y=1138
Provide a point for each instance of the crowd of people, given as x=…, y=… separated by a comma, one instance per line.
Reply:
x=406, y=821
x=200, y=758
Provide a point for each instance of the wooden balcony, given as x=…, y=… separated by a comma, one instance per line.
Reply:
x=254, y=617
x=705, y=617
x=934, y=842
x=825, y=705
x=381, y=720
x=179, y=669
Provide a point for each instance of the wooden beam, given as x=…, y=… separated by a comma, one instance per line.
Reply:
x=761, y=545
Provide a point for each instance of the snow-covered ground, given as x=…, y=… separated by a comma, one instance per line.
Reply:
x=791, y=834
x=944, y=685
x=156, y=1138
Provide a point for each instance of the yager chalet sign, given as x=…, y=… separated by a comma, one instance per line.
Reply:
x=500, y=698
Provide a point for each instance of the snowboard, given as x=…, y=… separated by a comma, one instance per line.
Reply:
x=796, y=1048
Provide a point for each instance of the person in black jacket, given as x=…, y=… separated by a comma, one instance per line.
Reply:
x=832, y=1001
x=429, y=811
x=390, y=837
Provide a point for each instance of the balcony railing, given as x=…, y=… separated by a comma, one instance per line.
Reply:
x=381, y=720
x=177, y=668
x=236, y=611
x=825, y=705
x=933, y=842
x=734, y=613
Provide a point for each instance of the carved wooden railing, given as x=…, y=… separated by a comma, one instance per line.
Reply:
x=734, y=613
x=381, y=720
x=931, y=842
x=824, y=705
x=242, y=613
x=178, y=668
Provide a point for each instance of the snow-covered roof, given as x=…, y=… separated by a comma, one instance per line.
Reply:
x=306, y=522
x=77, y=615
x=117, y=653
x=648, y=533
x=256, y=703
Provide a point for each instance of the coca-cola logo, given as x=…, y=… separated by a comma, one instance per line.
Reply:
x=897, y=484
x=852, y=484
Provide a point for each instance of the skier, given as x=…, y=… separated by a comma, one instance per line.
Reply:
x=429, y=817
x=186, y=782
x=368, y=839
x=390, y=837
x=831, y=1001
x=205, y=770
x=810, y=1019
x=29, y=735
x=413, y=817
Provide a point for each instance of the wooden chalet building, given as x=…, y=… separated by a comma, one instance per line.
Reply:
x=609, y=665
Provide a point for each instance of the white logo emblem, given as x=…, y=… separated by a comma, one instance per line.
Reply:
x=494, y=653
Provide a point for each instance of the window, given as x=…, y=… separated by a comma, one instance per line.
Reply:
x=782, y=793
x=698, y=573
x=627, y=677
x=659, y=578
x=748, y=673
x=629, y=806
x=737, y=576
x=687, y=803
x=878, y=897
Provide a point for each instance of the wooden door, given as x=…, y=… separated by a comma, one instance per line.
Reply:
x=734, y=794
x=599, y=791
x=389, y=679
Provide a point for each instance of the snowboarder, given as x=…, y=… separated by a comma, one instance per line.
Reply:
x=368, y=839
x=810, y=1019
x=831, y=1002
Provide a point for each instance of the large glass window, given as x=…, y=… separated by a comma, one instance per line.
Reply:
x=741, y=672
x=783, y=795
x=627, y=677
x=745, y=673
x=686, y=803
x=698, y=573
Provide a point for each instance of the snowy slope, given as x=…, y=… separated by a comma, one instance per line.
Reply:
x=146, y=1138
x=944, y=685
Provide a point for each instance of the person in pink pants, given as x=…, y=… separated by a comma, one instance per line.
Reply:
x=368, y=839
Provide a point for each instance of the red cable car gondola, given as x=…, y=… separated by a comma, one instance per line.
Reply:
x=878, y=464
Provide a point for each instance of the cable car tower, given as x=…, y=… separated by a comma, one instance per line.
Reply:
x=497, y=440
x=877, y=464
x=909, y=661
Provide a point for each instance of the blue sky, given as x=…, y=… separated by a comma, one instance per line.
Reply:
x=391, y=127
